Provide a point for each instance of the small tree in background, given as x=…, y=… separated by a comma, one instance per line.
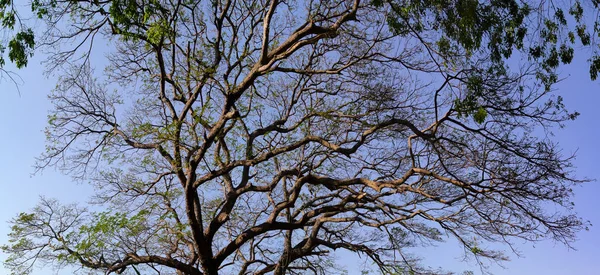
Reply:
x=257, y=137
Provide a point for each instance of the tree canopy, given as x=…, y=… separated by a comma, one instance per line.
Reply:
x=258, y=137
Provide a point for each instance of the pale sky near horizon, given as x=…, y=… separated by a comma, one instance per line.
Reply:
x=23, y=117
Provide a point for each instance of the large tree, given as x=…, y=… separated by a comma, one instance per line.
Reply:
x=257, y=137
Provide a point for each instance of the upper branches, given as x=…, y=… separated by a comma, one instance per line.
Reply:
x=260, y=136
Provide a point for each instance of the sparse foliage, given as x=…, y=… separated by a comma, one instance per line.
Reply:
x=257, y=137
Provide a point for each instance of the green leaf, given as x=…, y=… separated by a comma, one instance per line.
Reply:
x=480, y=115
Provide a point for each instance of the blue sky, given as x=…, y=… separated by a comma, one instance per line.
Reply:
x=23, y=117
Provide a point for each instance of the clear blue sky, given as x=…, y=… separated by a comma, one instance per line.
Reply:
x=23, y=117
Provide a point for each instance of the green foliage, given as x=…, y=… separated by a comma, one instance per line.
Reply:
x=480, y=115
x=106, y=225
x=476, y=250
x=469, y=104
x=20, y=48
x=467, y=22
x=157, y=32
x=72, y=234
x=136, y=21
x=128, y=17
x=595, y=67
x=22, y=43
x=496, y=28
x=125, y=14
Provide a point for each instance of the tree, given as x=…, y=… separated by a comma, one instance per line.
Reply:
x=16, y=42
x=260, y=136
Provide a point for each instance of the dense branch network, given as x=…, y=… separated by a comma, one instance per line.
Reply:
x=258, y=137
